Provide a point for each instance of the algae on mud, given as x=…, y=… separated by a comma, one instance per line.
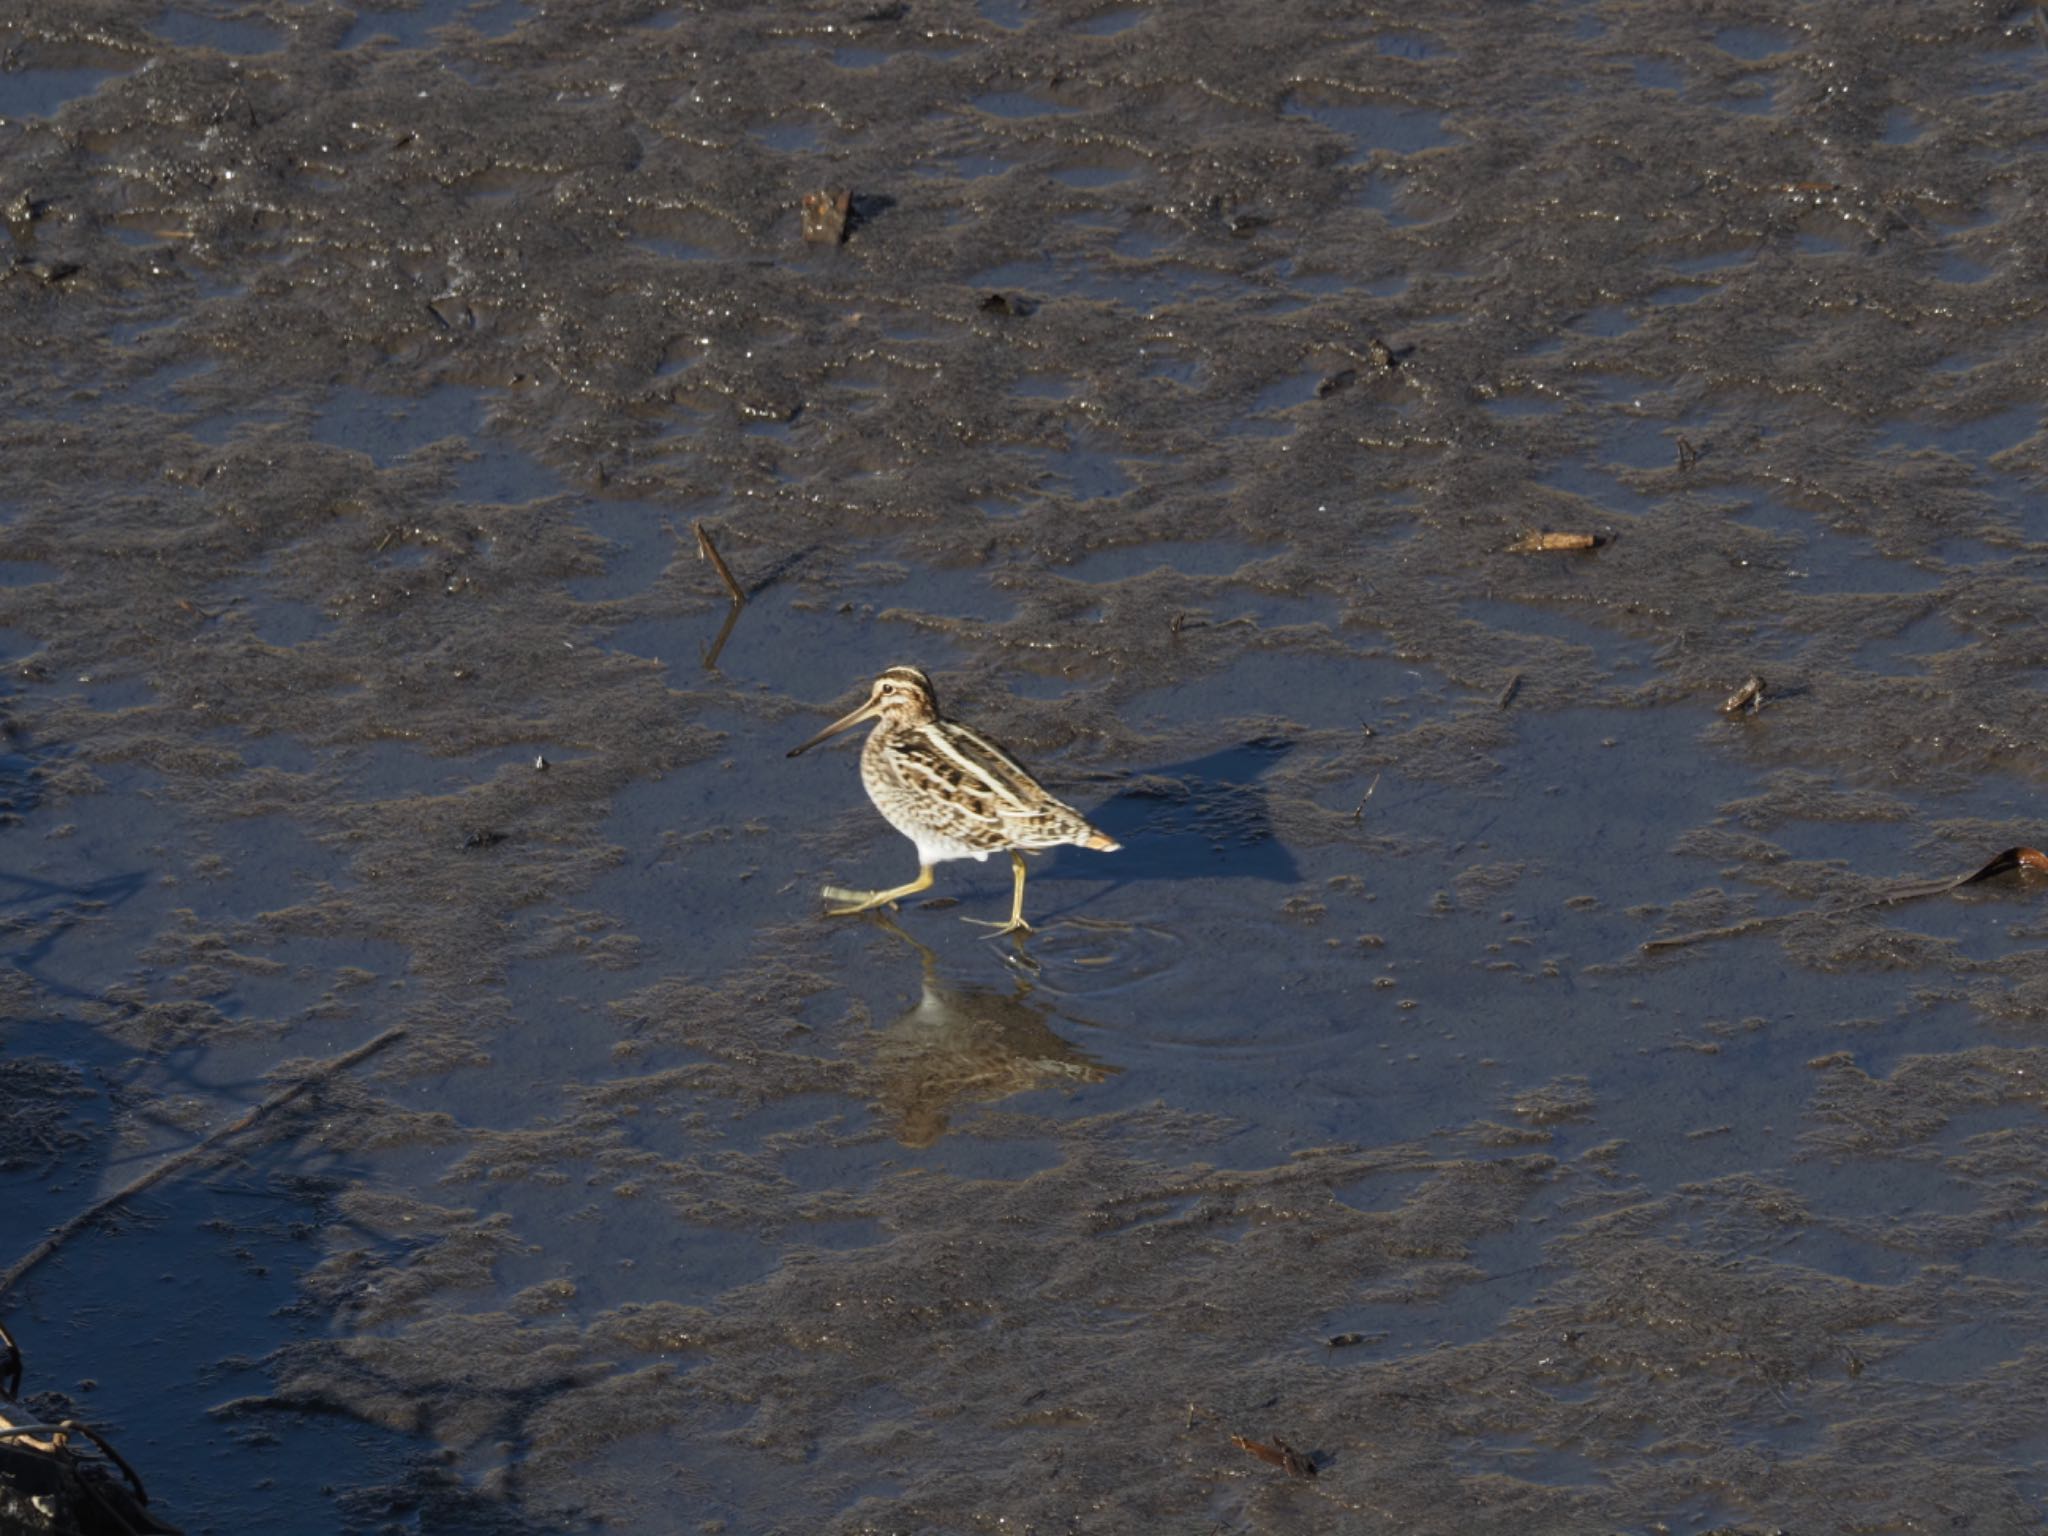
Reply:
x=339, y=459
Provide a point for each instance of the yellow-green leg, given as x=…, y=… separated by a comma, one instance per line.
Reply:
x=1016, y=924
x=867, y=901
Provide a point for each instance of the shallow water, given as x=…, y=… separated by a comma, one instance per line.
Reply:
x=361, y=673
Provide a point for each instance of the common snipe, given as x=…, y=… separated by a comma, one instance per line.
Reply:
x=950, y=790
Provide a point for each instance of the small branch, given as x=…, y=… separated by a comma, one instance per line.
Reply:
x=1359, y=811
x=192, y=1154
x=706, y=550
x=1907, y=890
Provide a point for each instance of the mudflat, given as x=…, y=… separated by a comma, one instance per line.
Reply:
x=1515, y=1075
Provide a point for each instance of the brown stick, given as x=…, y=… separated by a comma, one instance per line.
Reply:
x=1732, y=930
x=1906, y=890
x=180, y=1160
x=709, y=551
x=1359, y=810
x=1998, y=864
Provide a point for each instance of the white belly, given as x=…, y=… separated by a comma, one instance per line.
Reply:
x=935, y=847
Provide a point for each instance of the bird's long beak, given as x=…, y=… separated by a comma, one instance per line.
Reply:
x=867, y=711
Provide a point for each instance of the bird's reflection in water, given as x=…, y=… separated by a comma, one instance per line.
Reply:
x=963, y=1045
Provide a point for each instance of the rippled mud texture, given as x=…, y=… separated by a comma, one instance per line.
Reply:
x=1185, y=384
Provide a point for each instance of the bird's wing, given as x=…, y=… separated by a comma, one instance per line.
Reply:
x=1030, y=816
x=953, y=788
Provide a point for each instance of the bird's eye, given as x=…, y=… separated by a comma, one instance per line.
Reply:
x=888, y=687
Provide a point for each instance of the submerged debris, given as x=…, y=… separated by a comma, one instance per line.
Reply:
x=24, y=209
x=1279, y=1454
x=48, y=273
x=1746, y=700
x=827, y=216
x=60, y=1477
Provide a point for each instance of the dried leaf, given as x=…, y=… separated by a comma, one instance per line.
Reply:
x=1279, y=1454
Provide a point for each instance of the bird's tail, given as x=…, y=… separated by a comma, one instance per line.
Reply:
x=1099, y=843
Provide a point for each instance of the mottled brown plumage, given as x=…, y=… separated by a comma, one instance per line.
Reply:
x=950, y=790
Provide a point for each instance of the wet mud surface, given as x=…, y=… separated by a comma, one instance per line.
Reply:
x=1180, y=391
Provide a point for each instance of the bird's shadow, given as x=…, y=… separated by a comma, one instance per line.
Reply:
x=1207, y=816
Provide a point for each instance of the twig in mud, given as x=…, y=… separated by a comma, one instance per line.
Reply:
x=1730, y=931
x=1906, y=890
x=1549, y=539
x=181, y=1160
x=1997, y=864
x=1358, y=811
x=706, y=550
x=1507, y=694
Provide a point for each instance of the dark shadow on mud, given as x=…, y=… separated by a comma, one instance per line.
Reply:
x=42, y=911
x=1203, y=818
x=36, y=913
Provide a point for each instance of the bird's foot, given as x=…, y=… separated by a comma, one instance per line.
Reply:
x=866, y=901
x=1015, y=925
x=861, y=901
